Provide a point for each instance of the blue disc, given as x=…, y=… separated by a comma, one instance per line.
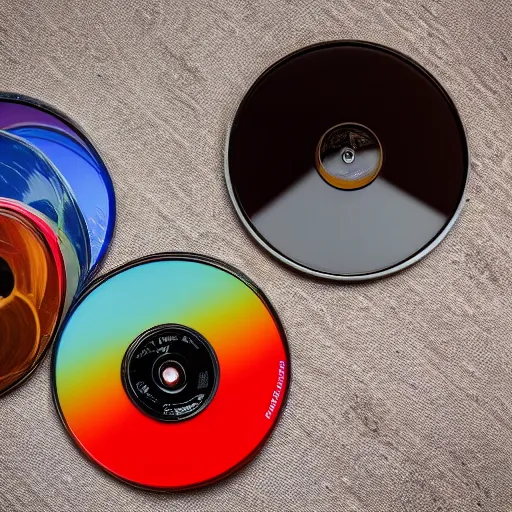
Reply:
x=70, y=150
x=28, y=176
x=87, y=177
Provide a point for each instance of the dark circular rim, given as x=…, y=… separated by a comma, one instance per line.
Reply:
x=414, y=258
x=169, y=256
x=12, y=97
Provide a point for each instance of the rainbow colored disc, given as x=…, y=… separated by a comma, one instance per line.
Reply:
x=171, y=371
x=32, y=288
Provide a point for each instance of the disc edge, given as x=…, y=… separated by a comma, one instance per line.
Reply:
x=169, y=256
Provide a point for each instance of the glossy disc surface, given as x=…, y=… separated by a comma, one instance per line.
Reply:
x=347, y=160
x=74, y=156
x=57, y=239
x=26, y=175
x=171, y=358
x=31, y=305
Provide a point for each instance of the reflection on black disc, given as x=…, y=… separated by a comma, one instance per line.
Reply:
x=347, y=160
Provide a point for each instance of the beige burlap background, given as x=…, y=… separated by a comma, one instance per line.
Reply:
x=402, y=388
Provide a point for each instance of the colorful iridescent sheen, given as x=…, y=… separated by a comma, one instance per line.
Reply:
x=198, y=293
x=26, y=175
x=57, y=215
x=30, y=312
x=67, y=253
x=87, y=178
x=73, y=154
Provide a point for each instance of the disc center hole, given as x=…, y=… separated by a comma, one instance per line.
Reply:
x=348, y=155
x=171, y=376
x=6, y=279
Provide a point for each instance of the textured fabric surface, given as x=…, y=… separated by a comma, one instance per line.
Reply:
x=402, y=388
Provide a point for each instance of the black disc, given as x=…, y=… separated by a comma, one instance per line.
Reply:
x=347, y=160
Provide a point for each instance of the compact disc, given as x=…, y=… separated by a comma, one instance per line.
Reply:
x=171, y=371
x=347, y=160
x=70, y=273
x=32, y=287
x=72, y=153
x=26, y=175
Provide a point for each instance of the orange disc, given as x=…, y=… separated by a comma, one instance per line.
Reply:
x=32, y=290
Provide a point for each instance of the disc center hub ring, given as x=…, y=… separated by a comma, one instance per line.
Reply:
x=170, y=372
x=348, y=156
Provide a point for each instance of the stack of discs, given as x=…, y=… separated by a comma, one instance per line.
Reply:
x=57, y=214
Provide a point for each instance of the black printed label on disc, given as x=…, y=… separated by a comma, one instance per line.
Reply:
x=170, y=372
